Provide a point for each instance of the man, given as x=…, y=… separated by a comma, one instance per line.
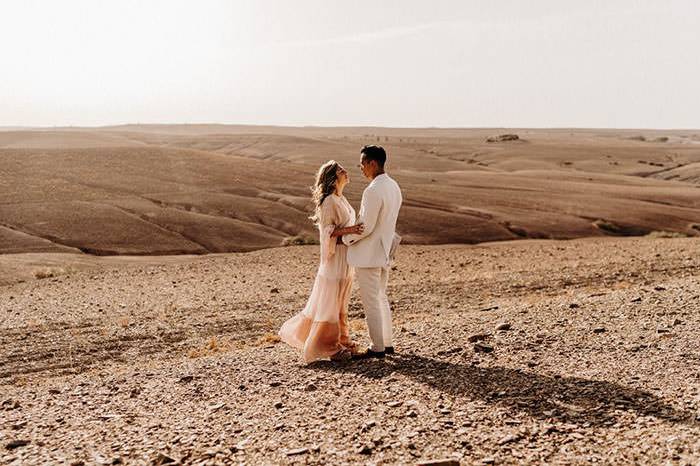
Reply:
x=369, y=251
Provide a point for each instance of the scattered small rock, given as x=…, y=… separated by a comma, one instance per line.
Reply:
x=411, y=413
x=483, y=348
x=368, y=425
x=297, y=451
x=19, y=426
x=450, y=351
x=508, y=439
x=162, y=458
x=310, y=388
x=599, y=330
x=503, y=326
x=394, y=404
x=102, y=460
x=275, y=384
x=477, y=337
x=12, y=444
x=240, y=446
x=365, y=450
x=442, y=462
x=10, y=404
x=275, y=290
x=278, y=405
x=574, y=306
x=492, y=308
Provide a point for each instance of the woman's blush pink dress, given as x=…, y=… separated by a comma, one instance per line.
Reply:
x=321, y=329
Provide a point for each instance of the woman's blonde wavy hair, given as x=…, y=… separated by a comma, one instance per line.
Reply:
x=323, y=187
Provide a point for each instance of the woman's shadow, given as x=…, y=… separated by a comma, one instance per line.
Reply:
x=565, y=399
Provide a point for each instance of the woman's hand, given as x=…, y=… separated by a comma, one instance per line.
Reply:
x=353, y=230
x=356, y=229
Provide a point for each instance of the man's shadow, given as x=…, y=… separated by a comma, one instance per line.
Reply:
x=565, y=399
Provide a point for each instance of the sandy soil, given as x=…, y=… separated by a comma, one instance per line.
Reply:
x=139, y=309
x=168, y=189
x=141, y=360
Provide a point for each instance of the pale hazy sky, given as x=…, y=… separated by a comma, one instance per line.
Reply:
x=538, y=63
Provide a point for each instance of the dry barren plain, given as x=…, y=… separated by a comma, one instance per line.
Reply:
x=159, y=189
x=141, y=288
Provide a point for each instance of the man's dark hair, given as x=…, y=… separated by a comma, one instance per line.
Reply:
x=373, y=152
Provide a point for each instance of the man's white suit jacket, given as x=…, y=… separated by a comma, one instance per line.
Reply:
x=381, y=202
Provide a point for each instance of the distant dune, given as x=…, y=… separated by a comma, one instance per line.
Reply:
x=195, y=189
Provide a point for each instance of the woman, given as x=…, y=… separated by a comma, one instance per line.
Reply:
x=321, y=329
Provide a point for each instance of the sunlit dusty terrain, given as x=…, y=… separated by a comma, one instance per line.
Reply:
x=165, y=189
x=134, y=360
x=142, y=286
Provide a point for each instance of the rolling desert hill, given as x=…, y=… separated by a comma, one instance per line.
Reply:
x=195, y=189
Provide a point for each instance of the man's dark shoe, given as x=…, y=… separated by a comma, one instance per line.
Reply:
x=389, y=349
x=368, y=354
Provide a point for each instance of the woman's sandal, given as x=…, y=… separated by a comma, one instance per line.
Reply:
x=342, y=355
x=352, y=347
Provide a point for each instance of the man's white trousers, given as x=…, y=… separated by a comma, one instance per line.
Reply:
x=373, y=282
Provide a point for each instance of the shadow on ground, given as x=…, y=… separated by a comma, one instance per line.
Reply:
x=564, y=399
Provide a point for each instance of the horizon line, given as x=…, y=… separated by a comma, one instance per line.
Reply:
x=321, y=126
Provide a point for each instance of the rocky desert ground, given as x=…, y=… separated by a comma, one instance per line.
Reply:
x=534, y=351
x=142, y=283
